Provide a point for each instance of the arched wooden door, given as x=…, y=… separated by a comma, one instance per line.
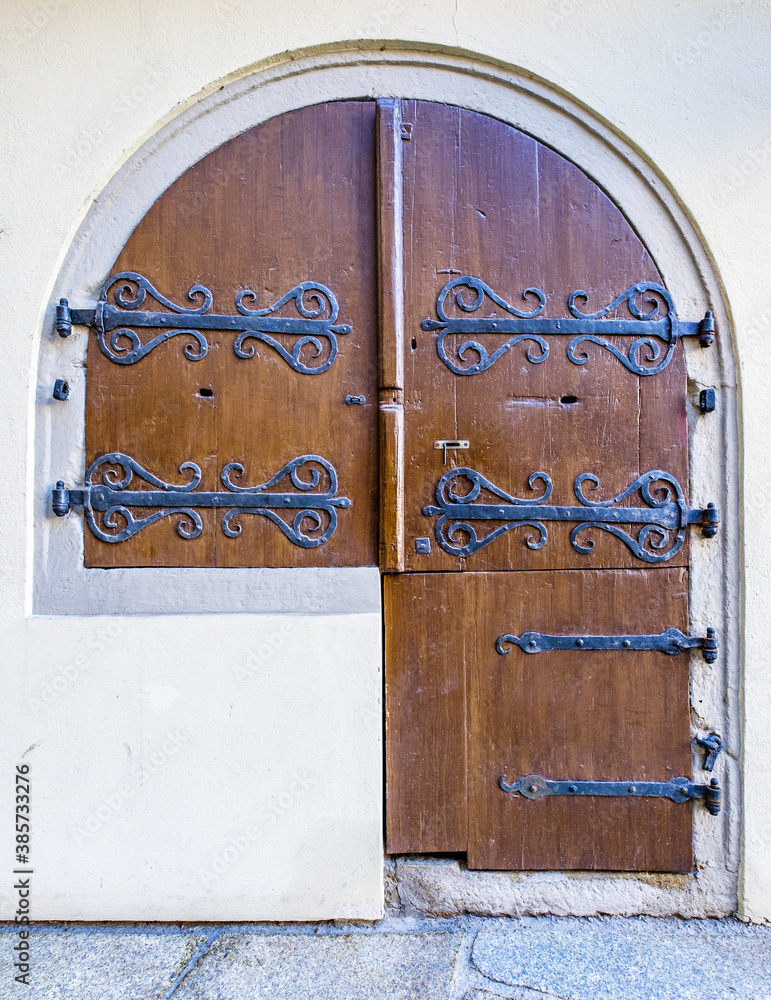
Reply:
x=440, y=274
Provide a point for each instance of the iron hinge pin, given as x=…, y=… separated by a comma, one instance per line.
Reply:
x=707, y=402
x=710, y=519
x=709, y=646
x=707, y=330
x=63, y=318
x=62, y=499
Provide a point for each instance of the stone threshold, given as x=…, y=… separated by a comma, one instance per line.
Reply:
x=399, y=958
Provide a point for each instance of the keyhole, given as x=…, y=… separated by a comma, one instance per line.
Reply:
x=205, y=392
x=414, y=344
x=569, y=400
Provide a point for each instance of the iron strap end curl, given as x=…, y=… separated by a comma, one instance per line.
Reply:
x=314, y=508
x=654, y=326
x=118, y=315
x=663, y=521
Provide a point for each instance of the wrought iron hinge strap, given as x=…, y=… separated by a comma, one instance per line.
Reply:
x=651, y=351
x=672, y=641
x=112, y=498
x=534, y=786
x=663, y=520
x=115, y=322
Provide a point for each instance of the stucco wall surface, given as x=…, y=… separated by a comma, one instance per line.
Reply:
x=84, y=84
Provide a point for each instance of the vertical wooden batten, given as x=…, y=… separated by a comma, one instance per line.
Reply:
x=391, y=333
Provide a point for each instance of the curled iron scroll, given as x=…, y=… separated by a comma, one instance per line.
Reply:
x=119, y=314
x=654, y=326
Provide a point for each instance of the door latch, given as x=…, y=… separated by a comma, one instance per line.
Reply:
x=713, y=744
x=445, y=446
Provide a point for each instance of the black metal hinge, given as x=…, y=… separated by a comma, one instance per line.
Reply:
x=116, y=323
x=662, y=522
x=534, y=786
x=655, y=331
x=671, y=641
x=115, y=502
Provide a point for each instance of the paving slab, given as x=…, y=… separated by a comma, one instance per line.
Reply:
x=325, y=967
x=103, y=964
x=634, y=958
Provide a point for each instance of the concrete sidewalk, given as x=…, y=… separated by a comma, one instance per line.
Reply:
x=400, y=958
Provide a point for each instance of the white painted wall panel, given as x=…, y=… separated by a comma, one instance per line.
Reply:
x=200, y=768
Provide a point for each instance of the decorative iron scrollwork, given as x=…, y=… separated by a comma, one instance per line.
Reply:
x=663, y=521
x=534, y=786
x=671, y=641
x=116, y=322
x=656, y=330
x=116, y=502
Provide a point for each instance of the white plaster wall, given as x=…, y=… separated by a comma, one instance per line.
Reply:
x=84, y=83
x=198, y=767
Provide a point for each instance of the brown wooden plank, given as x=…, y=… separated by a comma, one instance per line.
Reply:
x=607, y=715
x=391, y=327
x=483, y=199
x=292, y=200
x=425, y=713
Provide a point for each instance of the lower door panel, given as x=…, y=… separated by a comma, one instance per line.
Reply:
x=460, y=715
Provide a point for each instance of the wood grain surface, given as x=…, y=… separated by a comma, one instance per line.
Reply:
x=485, y=200
x=427, y=654
x=289, y=201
